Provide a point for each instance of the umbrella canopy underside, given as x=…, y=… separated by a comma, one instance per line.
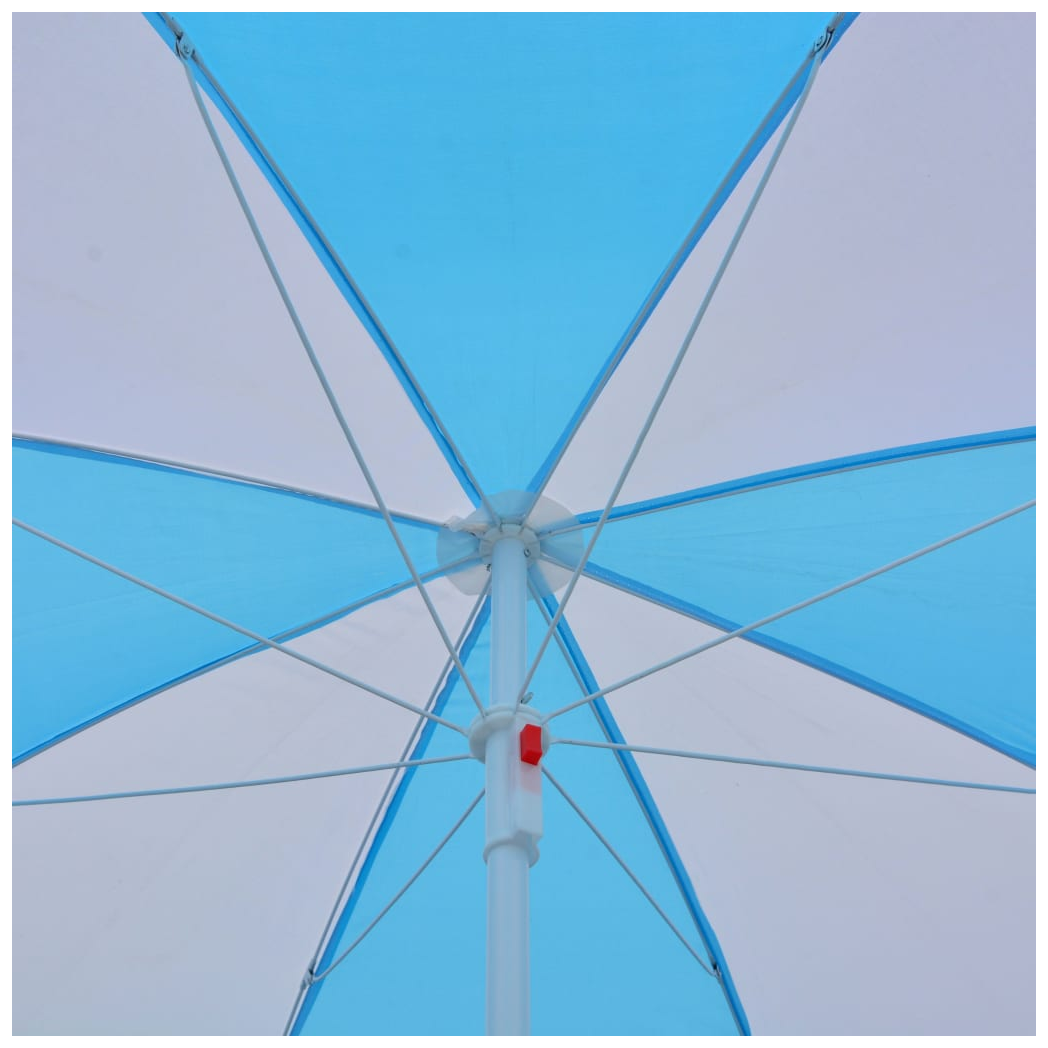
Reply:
x=494, y=233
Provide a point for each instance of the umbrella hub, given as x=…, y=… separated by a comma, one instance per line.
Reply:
x=540, y=525
x=503, y=718
x=507, y=530
x=500, y=739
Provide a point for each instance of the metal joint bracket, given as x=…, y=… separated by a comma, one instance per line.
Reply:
x=184, y=46
x=308, y=980
x=824, y=41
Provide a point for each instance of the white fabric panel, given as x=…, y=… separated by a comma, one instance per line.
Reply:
x=144, y=317
x=883, y=292
x=842, y=905
x=222, y=896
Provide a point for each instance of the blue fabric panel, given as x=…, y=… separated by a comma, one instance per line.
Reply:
x=505, y=189
x=86, y=642
x=951, y=634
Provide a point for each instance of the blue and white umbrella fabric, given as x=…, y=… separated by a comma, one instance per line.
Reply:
x=523, y=522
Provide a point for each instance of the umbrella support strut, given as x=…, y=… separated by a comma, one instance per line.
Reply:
x=513, y=795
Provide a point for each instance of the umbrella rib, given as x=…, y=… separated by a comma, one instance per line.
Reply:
x=645, y=312
x=743, y=630
x=388, y=591
x=257, y=637
x=322, y=377
x=548, y=616
x=212, y=787
x=677, y=362
x=570, y=659
x=316, y=977
x=780, y=478
x=788, y=766
x=381, y=807
x=179, y=33
x=632, y=876
x=212, y=471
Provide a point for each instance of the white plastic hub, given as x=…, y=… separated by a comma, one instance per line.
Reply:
x=536, y=523
x=521, y=532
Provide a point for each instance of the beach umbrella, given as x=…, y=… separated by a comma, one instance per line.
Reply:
x=523, y=523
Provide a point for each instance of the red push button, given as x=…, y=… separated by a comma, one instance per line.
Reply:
x=531, y=743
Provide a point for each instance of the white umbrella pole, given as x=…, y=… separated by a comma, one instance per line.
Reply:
x=513, y=796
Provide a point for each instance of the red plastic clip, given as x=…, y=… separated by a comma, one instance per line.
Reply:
x=531, y=743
